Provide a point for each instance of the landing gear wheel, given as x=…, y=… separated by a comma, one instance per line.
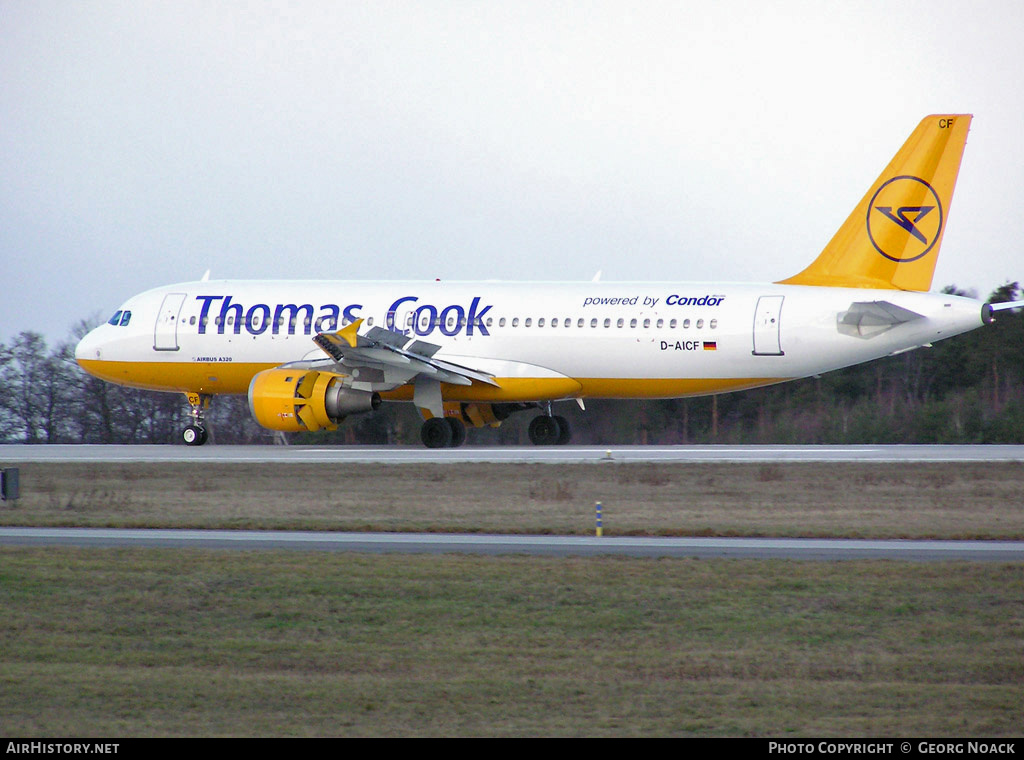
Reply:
x=436, y=433
x=564, y=431
x=458, y=432
x=194, y=435
x=544, y=431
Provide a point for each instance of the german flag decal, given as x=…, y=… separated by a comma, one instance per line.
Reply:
x=711, y=345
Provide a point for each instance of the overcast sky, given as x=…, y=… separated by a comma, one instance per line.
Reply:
x=142, y=143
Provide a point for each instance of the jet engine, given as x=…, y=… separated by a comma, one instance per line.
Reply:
x=296, y=400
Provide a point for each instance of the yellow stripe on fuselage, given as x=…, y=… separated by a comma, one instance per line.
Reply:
x=234, y=378
x=194, y=377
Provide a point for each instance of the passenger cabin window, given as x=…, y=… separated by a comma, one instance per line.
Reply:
x=540, y=322
x=528, y=322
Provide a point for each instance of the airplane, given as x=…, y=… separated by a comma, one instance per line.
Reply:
x=310, y=353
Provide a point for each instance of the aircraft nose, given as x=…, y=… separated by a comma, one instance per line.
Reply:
x=89, y=347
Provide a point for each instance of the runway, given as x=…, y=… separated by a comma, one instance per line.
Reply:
x=15, y=454
x=562, y=546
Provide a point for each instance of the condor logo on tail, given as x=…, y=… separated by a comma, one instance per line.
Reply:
x=904, y=219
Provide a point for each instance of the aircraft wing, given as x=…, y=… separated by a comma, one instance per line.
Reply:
x=382, y=359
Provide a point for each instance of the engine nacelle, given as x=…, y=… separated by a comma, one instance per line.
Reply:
x=296, y=400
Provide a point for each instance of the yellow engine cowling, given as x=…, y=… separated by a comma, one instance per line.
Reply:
x=294, y=400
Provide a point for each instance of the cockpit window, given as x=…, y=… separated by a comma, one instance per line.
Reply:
x=126, y=318
x=120, y=318
x=116, y=319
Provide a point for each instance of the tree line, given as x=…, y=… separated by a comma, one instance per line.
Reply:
x=967, y=389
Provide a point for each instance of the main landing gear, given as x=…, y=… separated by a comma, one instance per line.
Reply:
x=450, y=432
x=196, y=434
x=443, y=433
x=549, y=431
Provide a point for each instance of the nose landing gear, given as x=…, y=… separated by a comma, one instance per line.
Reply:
x=196, y=433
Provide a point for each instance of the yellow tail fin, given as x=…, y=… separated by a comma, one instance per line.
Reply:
x=892, y=238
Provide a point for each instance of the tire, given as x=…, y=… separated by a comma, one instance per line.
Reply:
x=436, y=433
x=544, y=431
x=458, y=432
x=564, y=431
x=194, y=435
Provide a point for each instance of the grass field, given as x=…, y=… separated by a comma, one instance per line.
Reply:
x=105, y=642
x=916, y=500
x=155, y=642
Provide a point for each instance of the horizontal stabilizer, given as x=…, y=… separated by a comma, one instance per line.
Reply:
x=866, y=319
x=1007, y=305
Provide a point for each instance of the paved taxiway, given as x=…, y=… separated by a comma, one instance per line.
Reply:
x=14, y=454
x=433, y=543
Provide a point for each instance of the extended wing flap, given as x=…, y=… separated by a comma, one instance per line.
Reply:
x=378, y=335
x=387, y=350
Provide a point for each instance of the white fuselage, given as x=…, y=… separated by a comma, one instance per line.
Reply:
x=540, y=341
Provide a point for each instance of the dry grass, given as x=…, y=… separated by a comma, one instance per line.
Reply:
x=918, y=500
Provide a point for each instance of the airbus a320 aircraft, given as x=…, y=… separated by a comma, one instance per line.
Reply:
x=310, y=353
